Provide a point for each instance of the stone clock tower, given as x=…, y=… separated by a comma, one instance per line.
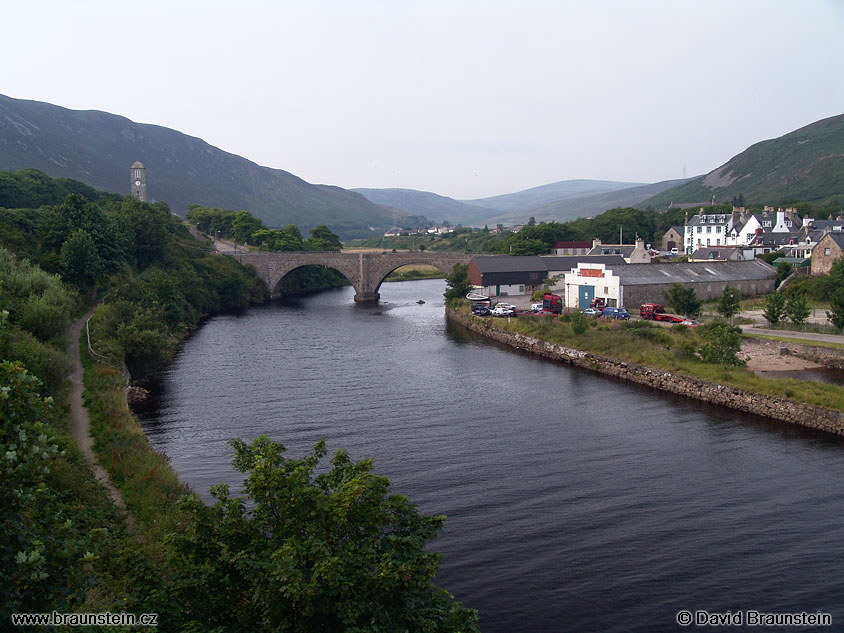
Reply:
x=138, y=181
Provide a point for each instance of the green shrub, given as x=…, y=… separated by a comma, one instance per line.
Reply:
x=579, y=323
x=722, y=343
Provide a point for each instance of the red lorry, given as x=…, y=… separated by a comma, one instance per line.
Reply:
x=552, y=303
x=656, y=312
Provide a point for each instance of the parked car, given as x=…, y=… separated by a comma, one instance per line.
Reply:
x=690, y=323
x=593, y=312
x=505, y=305
x=674, y=251
x=616, y=313
x=501, y=311
x=481, y=311
x=536, y=307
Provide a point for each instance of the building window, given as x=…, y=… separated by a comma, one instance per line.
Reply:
x=718, y=242
x=606, y=291
x=709, y=229
x=699, y=229
x=826, y=251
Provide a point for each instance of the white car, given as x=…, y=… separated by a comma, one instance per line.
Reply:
x=501, y=310
x=536, y=307
x=505, y=305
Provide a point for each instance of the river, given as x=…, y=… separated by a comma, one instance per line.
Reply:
x=575, y=502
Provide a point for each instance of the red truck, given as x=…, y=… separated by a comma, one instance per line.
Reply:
x=552, y=303
x=655, y=312
x=599, y=303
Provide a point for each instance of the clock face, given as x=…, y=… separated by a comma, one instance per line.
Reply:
x=137, y=183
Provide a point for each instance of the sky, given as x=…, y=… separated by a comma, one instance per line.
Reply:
x=465, y=98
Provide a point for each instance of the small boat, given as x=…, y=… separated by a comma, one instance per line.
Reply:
x=420, y=302
x=476, y=296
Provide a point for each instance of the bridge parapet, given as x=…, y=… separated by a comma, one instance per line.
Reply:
x=365, y=271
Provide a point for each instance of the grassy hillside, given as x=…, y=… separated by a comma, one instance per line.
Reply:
x=97, y=148
x=805, y=165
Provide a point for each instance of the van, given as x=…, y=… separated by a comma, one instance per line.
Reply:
x=616, y=313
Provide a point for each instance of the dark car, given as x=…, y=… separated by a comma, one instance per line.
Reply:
x=481, y=311
x=616, y=313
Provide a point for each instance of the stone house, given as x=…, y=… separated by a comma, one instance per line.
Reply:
x=829, y=248
x=673, y=238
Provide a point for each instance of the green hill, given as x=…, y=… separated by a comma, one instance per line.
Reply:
x=805, y=165
x=97, y=148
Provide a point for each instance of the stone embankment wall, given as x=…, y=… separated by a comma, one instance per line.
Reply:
x=828, y=356
x=726, y=395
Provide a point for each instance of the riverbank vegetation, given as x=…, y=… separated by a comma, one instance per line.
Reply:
x=675, y=349
x=296, y=553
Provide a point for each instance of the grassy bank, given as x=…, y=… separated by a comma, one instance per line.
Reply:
x=148, y=483
x=670, y=349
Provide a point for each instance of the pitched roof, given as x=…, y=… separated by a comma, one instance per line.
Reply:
x=718, y=253
x=560, y=263
x=582, y=244
x=509, y=263
x=624, y=250
x=837, y=237
x=693, y=272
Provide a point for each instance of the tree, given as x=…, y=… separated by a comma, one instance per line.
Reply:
x=531, y=221
x=797, y=308
x=457, y=282
x=729, y=304
x=305, y=552
x=836, y=312
x=722, y=343
x=244, y=225
x=81, y=264
x=322, y=239
x=683, y=299
x=774, y=308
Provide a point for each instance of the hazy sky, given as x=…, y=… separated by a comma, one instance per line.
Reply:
x=463, y=98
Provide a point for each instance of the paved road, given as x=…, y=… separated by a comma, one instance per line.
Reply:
x=806, y=336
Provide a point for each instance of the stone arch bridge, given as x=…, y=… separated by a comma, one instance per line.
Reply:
x=366, y=271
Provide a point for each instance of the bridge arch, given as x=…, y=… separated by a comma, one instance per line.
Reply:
x=365, y=271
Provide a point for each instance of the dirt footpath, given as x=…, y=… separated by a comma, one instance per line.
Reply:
x=81, y=420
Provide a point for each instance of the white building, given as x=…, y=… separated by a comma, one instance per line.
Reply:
x=737, y=228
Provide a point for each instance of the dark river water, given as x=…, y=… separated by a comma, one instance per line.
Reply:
x=575, y=502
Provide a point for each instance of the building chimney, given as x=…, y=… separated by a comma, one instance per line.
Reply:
x=595, y=242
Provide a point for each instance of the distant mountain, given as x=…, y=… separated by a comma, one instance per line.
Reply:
x=97, y=148
x=431, y=205
x=556, y=191
x=587, y=206
x=805, y=165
